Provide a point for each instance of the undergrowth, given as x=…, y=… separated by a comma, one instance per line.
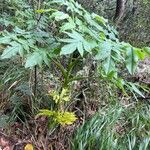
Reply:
x=66, y=68
x=115, y=127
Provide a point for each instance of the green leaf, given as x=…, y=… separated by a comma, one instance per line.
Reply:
x=120, y=84
x=76, y=41
x=147, y=50
x=69, y=40
x=65, y=118
x=60, y=15
x=25, y=44
x=18, y=30
x=12, y=50
x=45, y=112
x=36, y=58
x=5, y=40
x=135, y=89
x=89, y=45
x=104, y=50
x=80, y=48
x=139, y=53
x=68, y=26
x=131, y=60
x=78, y=21
x=99, y=19
x=90, y=20
x=109, y=65
x=75, y=35
x=68, y=49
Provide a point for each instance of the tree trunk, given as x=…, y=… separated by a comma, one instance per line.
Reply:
x=120, y=8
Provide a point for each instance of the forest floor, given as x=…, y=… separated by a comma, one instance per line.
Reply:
x=34, y=133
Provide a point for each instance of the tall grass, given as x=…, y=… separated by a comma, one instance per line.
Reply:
x=115, y=128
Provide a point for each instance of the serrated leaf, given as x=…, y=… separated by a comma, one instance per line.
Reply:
x=36, y=58
x=69, y=40
x=59, y=15
x=68, y=49
x=18, y=30
x=25, y=44
x=99, y=19
x=78, y=21
x=104, y=50
x=5, y=40
x=80, y=48
x=68, y=26
x=89, y=45
x=65, y=118
x=108, y=65
x=90, y=20
x=131, y=60
x=12, y=50
x=75, y=35
x=33, y=60
x=77, y=41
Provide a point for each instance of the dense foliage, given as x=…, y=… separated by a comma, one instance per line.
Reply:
x=77, y=30
x=60, y=42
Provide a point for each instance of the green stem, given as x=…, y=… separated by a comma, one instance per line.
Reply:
x=66, y=73
x=69, y=70
x=71, y=66
x=62, y=69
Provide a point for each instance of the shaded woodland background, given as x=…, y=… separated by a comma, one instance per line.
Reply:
x=134, y=25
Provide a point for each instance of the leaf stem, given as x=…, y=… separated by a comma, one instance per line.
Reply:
x=61, y=68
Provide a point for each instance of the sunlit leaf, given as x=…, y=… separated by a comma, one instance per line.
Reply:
x=29, y=147
x=147, y=50
x=66, y=118
x=60, y=15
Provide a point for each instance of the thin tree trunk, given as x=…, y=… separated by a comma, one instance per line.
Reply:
x=120, y=8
